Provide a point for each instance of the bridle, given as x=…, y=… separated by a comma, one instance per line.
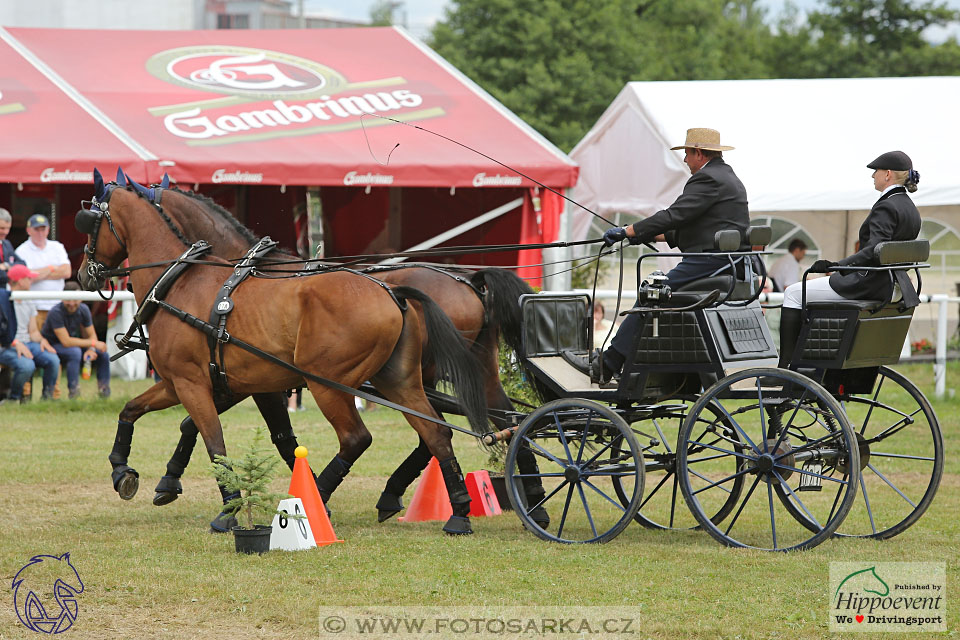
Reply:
x=88, y=220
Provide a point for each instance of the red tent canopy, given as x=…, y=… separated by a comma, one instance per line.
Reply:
x=295, y=107
x=47, y=137
x=364, y=110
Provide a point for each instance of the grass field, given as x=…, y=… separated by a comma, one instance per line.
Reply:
x=155, y=572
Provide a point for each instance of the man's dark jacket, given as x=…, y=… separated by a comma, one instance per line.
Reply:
x=9, y=258
x=893, y=217
x=713, y=199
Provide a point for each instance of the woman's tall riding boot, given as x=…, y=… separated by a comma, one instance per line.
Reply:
x=790, y=323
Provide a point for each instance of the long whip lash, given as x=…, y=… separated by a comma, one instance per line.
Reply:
x=469, y=148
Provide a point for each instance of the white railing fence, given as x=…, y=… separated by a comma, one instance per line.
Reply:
x=133, y=366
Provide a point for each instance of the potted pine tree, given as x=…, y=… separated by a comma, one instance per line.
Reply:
x=249, y=477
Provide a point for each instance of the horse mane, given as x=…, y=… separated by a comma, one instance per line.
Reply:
x=211, y=205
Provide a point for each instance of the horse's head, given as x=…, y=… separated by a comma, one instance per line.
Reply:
x=106, y=248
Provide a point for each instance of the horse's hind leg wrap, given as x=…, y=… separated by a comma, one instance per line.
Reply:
x=125, y=478
x=409, y=470
x=532, y=486
x=456, y=488
x=286, y=443
x=331, y=477
x=181, y=456
x=459, y=523
x=224, y=521
x=390, y=503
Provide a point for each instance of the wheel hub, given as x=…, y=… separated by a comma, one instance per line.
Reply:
x=572, y=474
x=864, y=448
x=766, y=462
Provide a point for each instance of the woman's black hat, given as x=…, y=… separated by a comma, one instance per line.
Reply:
x=892, y=160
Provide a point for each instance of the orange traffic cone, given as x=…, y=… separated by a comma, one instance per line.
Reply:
x=431, y=500
x=303, y=486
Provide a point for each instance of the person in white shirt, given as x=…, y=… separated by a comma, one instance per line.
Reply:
x=787, y=270
x=47, y=258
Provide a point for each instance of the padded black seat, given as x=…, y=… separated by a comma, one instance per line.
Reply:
x=741, y=290
x=845, y=305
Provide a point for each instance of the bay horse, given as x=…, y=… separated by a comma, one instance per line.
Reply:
x=332, y=328
x=483, y=306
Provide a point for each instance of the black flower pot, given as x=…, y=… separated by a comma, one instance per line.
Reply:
x=256, y=540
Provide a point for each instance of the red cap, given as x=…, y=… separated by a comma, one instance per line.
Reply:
x=19, y=272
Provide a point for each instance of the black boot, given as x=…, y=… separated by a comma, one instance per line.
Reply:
x=790, y=322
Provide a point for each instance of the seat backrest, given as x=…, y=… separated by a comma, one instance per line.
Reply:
x=554, y=323
x=902, y=251
x=759, y=235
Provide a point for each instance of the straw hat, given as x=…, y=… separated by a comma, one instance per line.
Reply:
x=708, y=139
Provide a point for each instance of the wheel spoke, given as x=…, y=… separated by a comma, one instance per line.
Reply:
x=783, y=483
x=727, y=451
x=727, y=479
x=583, y=438
x=786, y=428
x=866, y=501
x=737, y=426
x=673, y=500
x=706, y=479
x=543, y=501
x=892, y=486
x=773, y=521
x=602, y=449
x=604, y=495
x=809, y=473
x=881, y=454
x=563, y=437
x=663, y=480
x=663, y=438
x=545, y=453
x=566, y=509
x=876, y=394
x=746, y=499
x=586, y=509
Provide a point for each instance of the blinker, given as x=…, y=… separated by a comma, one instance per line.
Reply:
x=86, y=221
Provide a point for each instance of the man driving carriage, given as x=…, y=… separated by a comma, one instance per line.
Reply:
x=713, y=199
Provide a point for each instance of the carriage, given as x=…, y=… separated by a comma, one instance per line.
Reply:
x=777, y=459
x=763, y=457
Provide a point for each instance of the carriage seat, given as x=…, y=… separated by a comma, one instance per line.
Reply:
x=741, y=290
x=846, y=305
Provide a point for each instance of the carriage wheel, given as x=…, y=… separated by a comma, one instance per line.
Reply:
x=662, y=505
x=580, y=447
x=901, y=457
x=795, y=435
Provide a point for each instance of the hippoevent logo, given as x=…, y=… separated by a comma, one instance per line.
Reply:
x=267, y=94
x=45, y=593
x=888, y=596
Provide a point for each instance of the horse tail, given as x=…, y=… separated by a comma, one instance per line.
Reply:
x=452, y=358
x=502, y=302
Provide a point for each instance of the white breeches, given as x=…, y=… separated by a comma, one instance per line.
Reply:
x=818, y=290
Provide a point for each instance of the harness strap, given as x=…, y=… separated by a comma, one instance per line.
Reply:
x=211, y=330
x=157, y=292
x=223, y=305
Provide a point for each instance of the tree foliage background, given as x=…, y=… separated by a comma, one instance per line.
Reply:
x=559, y=63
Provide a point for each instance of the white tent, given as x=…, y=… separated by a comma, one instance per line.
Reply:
x=801, y=147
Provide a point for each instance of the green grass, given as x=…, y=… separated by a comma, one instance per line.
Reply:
x=156, y=572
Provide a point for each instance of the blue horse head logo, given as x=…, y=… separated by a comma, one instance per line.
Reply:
x=45, y=593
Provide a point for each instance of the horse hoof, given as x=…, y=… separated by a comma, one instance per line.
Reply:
x=388, y=506
x=540, y=517
x=168, y=490
x=126, y=482
x=458, y=526
x=223, y=523
x=161, y=498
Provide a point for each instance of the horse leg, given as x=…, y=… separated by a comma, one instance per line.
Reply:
x=341, y=411
x=125, y=478
x=197, y=399
x=400, y=381
x=390, y=502
x=274, y=411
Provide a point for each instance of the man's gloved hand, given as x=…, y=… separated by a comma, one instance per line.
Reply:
x=614, y=235
x=823, y=266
